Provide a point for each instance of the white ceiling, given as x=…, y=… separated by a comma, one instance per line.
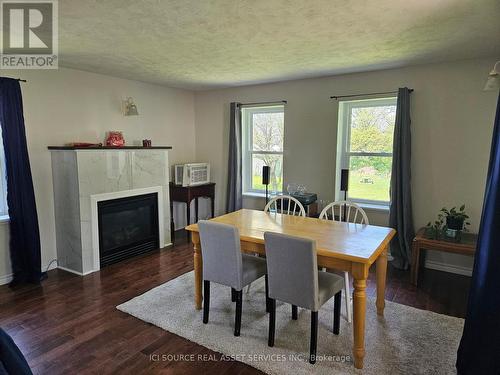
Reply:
x=203, y=44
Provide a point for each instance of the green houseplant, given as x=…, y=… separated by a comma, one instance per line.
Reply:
x=450, y=223
x=456, y=219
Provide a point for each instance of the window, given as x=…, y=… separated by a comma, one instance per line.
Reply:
x=3, y=182
x=263, y=129
x=365, y=138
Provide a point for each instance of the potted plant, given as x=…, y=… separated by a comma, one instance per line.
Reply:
x=455, y=219
x=455, y=223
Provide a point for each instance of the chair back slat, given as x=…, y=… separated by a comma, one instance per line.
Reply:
x=359, y=214
x=285, y=206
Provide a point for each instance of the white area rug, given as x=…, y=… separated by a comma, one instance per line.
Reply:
x=405, y=341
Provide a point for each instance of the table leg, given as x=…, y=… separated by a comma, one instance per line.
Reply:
x=198, y=270
x=360, y=274
x=381, y=276
x=415, y=262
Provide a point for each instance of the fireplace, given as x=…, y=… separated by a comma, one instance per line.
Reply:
x=127, y=227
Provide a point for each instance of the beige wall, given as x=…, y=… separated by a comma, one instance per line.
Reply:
x=452, y=126
x=452, y=121
x=68, y=105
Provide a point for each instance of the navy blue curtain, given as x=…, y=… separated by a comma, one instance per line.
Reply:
x=24, y=232
x=12, y=360
x=479, y=351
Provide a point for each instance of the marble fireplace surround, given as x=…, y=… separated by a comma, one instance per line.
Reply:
x=83, y=177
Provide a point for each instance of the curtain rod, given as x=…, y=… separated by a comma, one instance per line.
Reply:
x=17, y=79
x=263, y=103
x=371, y=93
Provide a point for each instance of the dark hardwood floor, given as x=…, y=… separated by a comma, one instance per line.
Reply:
x=70, y=324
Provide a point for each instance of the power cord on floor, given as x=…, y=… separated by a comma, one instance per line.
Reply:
x=44, y=274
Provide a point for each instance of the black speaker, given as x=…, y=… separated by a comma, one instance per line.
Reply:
x=344, y=179
x=266, y=171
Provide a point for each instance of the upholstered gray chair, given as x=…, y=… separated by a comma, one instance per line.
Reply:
x=223, y=263
x=292, y=269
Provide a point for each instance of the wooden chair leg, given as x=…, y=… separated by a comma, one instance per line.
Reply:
x=348, y=305
x=272, y=321
x=206, y=300
x=267, y=294
x=314, y=337
x=336, y=312
x=237, y=320
x=294, y=312
x=233, y=295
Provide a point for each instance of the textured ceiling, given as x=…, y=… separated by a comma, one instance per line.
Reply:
x=202, y=44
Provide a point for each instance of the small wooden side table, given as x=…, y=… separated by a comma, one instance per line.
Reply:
x=185, y=194
x=466, y=246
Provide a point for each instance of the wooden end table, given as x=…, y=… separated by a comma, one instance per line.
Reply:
x=185, y=194
x=466, y=246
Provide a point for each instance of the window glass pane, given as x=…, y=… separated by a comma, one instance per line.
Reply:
x=276, y=177
x=370, y=177
x=268, y=131
x=372, y=128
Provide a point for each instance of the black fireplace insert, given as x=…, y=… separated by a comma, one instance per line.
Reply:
x=127, y=227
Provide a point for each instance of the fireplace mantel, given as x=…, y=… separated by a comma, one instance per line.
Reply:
x=66, y=148
x=80, y=175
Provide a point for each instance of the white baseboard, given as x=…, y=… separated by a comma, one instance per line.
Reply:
x=460, y=270
x=70, y=271
x=5, y=279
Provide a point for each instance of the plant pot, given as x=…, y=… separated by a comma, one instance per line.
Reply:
x=455, y=223
x=454, y=228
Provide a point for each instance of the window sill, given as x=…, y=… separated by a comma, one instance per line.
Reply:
x=373, y=207
x=4, y=219
x=254, y=194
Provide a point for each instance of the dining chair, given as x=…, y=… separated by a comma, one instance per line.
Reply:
x=292, y=269
x=282, y=204
x=348, y=212
x=285, y=204
x=224, y=263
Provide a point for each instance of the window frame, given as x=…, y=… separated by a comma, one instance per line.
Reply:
x=247, y=145
x=344, y=141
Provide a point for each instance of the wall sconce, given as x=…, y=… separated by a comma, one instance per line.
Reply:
x=129, y=107
x=493, y=82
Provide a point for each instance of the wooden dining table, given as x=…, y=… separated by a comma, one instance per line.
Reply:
x=341, y=246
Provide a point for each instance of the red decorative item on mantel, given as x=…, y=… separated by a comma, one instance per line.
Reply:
x=115, y=139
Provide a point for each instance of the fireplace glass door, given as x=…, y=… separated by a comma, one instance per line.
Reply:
x=127, y=227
